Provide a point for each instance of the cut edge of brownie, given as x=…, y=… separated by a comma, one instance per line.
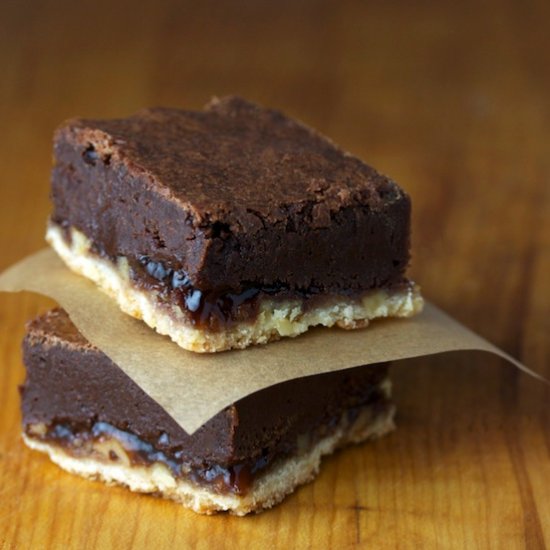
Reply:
x=206, y=323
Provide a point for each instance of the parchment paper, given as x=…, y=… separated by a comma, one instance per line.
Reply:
x=194, y=387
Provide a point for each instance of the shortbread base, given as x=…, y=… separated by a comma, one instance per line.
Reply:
x=275, y=318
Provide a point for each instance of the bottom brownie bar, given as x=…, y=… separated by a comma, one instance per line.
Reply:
x=93, y=420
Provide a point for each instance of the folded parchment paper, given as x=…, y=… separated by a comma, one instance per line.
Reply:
x=194, y=387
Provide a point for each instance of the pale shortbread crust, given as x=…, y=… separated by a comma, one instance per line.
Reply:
x=276, y=319
x=268, y=490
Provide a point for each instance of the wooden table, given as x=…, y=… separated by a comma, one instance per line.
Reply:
x=450, y=99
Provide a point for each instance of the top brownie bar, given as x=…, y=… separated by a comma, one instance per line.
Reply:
x=234, y=195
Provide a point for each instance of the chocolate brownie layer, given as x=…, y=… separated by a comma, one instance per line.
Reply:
x=78, y=406
x=231, y=197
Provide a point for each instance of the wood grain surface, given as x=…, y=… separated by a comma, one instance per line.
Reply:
x=451, y=100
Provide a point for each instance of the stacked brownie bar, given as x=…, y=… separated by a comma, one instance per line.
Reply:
x=222, y=228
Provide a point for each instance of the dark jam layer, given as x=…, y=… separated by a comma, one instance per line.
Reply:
x=218, y=309
x=235, y=479
x=214, y=309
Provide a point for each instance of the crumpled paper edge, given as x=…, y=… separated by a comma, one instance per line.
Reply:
x=191, y=387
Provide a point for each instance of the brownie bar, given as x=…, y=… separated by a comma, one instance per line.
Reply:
x=92, y=419
x=213, y=214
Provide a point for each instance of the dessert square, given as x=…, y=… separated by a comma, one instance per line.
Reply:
x=94, y=421
x=231, y=226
